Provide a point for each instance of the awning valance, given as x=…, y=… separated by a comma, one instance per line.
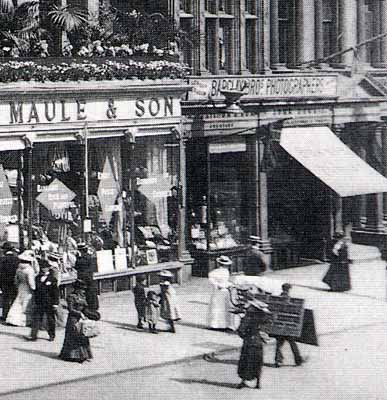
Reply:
x=330, y=160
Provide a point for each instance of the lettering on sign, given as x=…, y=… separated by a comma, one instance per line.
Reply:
x=266, y=87
x=70, y=110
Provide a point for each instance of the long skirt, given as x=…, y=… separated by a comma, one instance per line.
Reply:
x=76, y=347
x=251, y=359
x=338, y=276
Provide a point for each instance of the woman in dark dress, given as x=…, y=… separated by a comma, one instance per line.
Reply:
x=251, y=358
x=76, y=347
x=338, y=275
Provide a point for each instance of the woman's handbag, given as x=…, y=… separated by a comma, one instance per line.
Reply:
x=89, y=328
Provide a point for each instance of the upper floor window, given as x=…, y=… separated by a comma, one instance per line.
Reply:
x=286, y=34
x=329, y=20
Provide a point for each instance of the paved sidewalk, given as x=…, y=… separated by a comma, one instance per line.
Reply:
x=121, y=347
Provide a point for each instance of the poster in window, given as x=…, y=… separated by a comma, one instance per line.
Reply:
x=105, y=261
x=120, y=261
x=151, y=256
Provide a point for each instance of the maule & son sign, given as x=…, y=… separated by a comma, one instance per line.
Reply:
x=78, y=109
x=261, y=87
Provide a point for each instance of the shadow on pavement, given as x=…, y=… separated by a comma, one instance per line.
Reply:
x=47, y=354
x=125, y=326
x=213, y=359
x=207, y=382
x=18, y=335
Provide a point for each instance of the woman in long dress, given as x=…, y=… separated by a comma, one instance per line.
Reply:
x=169, y=307
x=251, y=358
x=219, y=315
x=76, y=346
x=338, y=276
x=19, y=313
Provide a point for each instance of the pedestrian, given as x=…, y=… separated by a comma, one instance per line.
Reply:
x=152, y=310
x=280, y=340
x=46, y=301
x=76, y=346
x=140, y=299
x=20, y=311
x=85, y=266
x=169, y=309
x=256, y=262
x=8, y=266
x=218, y=314
x=338, y=275
x=251, y=358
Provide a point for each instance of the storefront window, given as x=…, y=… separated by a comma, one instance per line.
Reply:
x=156, y=203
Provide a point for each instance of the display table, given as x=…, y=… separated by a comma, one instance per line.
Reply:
x=205, y=260
x=125, y=280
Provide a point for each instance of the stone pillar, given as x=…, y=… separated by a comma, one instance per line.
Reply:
x=362, y=9
x=384, y=154
x=383, y=25
x=200, y=21
x=274, y=32
x=319, y=32
x=264, y=42
x=348, y=21
x=305, y=30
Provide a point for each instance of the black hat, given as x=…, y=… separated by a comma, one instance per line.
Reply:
x=82, y=246
x=140, y=278
x=286, y=286
x=79, y=284
x=44, y=264
x=7, y=246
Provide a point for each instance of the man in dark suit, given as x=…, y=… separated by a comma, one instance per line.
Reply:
x=46, y=301
x=85, y=266
x=8, y=266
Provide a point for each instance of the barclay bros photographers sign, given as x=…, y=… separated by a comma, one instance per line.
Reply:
x=261, y=87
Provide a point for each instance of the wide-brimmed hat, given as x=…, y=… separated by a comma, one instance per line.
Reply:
x=224, y=260
x=82, y=246
x=254, y=239
x=256, y=305
x=26, y=256
x=165, y=274
x=165, y=283
x=286, y=286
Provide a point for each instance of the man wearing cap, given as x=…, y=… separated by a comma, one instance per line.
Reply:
x=256, y=262
x=298, y=360
x=219, y=315
x=85, y=267
x=8, y=266
x=46, y=299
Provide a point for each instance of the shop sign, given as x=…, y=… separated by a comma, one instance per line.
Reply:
x=77, y=109
x=56, y=197
x=6, y=199
x=108, y=192
x=262, y=87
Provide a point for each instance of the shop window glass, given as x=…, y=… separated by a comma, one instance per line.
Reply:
x=156, y=201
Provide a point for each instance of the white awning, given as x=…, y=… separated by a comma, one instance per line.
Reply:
x=11, y=144
x=330, y=160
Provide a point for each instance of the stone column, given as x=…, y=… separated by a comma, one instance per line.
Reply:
x=319, y=32
x=383, y=25
x=348, y=21
x=274, y=32
x=384, y=153
x=361, y=29
x=242, y=33
x=305, y=30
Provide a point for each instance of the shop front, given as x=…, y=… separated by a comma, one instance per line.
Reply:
x=96, y=164
x=278, y=169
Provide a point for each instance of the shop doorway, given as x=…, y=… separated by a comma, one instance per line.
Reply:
x=299, y=209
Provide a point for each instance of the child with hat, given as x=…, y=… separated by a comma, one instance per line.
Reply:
x=140, y=299
x=152, y=310
x=168, y=301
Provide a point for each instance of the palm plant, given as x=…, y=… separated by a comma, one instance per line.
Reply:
x=23, y=26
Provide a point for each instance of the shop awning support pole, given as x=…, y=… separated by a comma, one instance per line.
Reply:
x=20, y=207
x=29, y=144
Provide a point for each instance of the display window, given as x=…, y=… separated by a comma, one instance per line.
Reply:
x=156, y=200
x=218, y=197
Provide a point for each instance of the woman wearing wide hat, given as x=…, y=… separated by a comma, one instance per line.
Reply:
x=219, y=315
x=251, y=357
x=169, y=307
x=338, y=276
x=76, y=346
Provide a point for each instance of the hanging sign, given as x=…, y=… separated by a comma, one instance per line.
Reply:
x=56, y=197
x=108, y=192
x=6, y=198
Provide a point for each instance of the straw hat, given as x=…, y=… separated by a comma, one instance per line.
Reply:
x=26, y=256
x=224, y=260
